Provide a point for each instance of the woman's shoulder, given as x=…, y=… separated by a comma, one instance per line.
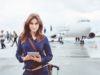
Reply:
x=21, y=34
x=45, y=38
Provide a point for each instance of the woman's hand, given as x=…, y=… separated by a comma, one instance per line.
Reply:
x=36, y=58
x=27, y=57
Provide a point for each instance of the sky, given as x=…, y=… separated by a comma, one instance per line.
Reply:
x=13, y=13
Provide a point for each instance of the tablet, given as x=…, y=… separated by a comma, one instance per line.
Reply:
x=33, y=53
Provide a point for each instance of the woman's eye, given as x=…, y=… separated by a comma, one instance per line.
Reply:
x=36, y=23
x=31, y=23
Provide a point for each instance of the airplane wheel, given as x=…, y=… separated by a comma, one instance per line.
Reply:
x=82, y=42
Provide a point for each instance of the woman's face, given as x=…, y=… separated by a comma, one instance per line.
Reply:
x=34, y=25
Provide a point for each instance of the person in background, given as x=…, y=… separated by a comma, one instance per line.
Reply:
x=15, y=38
x=44, y=30
x=33, y=28
x=2, y=39
x=8, y=36
x=50, y=27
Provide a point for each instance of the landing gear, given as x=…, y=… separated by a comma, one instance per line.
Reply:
x=60, y=40
x=81, y=41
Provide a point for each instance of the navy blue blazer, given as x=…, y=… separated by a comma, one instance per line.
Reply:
x=43, y=47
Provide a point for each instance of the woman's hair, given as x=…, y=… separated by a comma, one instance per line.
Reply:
x=25, y=34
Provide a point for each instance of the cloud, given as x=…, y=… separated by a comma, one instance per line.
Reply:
x=82, y=5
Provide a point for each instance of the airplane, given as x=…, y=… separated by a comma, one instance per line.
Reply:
x=80, y=31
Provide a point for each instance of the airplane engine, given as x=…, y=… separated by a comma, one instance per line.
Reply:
x=91, y=35
x=53, y=36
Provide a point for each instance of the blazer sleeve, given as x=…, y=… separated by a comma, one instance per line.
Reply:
x=48, y=52
x=19, y=52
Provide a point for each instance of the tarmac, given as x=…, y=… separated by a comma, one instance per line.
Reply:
x=71, y=57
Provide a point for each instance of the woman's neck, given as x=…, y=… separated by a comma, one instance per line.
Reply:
x=33, y=35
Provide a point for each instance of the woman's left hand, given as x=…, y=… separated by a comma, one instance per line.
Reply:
x=36, y=58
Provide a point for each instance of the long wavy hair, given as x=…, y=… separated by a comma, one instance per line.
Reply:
x=39, y=35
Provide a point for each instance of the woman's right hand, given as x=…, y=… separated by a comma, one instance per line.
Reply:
x=27, y=57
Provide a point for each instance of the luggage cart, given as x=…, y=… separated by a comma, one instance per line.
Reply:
x=51, y=66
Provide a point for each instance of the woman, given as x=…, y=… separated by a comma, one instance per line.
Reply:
x=33, y=30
